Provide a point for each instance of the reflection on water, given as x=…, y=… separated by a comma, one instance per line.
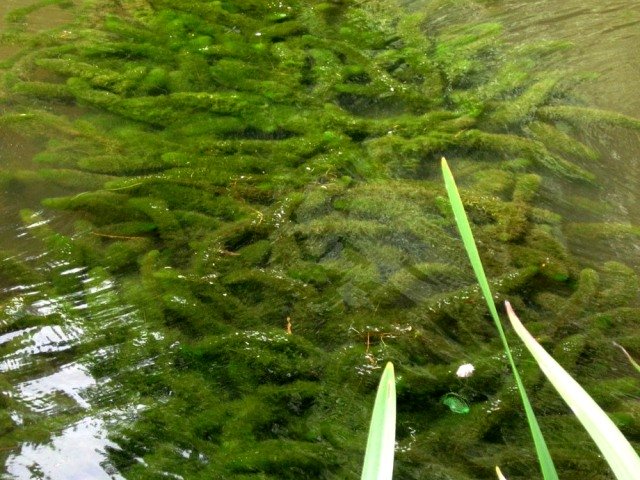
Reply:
x=35, y=340
x=605, y=37
x=77, y=453
x=43, y=18
x=72, y=379
x=47, y=342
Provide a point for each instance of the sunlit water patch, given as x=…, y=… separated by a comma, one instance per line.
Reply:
x=76, y=453
x=50, y=344
x=72, y=380
x=36, y=340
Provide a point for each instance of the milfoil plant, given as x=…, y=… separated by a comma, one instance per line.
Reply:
x=616, y=450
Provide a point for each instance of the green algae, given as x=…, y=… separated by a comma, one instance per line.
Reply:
x=586, y=116
x=561, y=142
x=524, y=106
x=258, y=182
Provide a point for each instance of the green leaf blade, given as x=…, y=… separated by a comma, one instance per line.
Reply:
x=618, y=452
x=467, y=236
x=633, y=363
x=378, y=460
x=499, y=474
x=544, y=457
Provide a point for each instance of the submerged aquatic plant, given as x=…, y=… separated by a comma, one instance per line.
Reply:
x=619, y=454
x=617, y=451
x=546, y=463
x=456, y=403
x=258, y=181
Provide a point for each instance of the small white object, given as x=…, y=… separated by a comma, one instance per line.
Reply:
x=465, y=370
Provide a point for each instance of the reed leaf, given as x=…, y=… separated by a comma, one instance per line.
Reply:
x=499, y=474
x=544, y=457
x=378, y=460
x=629, y=357
x=617, y=451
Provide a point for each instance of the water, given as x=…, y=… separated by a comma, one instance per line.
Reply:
x=74, y=453
x=223, y=306
x=604, y=37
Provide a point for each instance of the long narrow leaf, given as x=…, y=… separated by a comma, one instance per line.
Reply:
x=378, y=459
x=544, y=457
x=629, y=357
x=499, y=474
x=617, y=451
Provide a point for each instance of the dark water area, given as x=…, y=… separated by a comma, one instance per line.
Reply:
x=220, y=219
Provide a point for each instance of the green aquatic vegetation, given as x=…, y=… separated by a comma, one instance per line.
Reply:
x=461, y=53
x=12, y=267
x=120, y=165
x=526, y=188
x=422, y=281
x=546, y=463
x=506, y=221
x=586, y=116
x=105, y=207
x=519, y=146
x=600, y=231
x=599, y=236
x=100, y=78
x=547, y=266
x=494, y=182
x=620, y=284
x=456, y=403
x=618, y=452
x=73, y=179
x=558, y=141
x=523, y=107
x=281, y=186
x=43, y=90
x=272, y=417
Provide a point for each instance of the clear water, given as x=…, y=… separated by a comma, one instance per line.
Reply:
x=55, y=340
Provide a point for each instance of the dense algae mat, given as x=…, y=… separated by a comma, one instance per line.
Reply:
x=259, y=180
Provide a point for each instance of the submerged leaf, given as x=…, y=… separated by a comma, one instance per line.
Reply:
x=456, y=403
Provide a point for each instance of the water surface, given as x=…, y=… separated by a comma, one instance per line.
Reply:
x=88, y=366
